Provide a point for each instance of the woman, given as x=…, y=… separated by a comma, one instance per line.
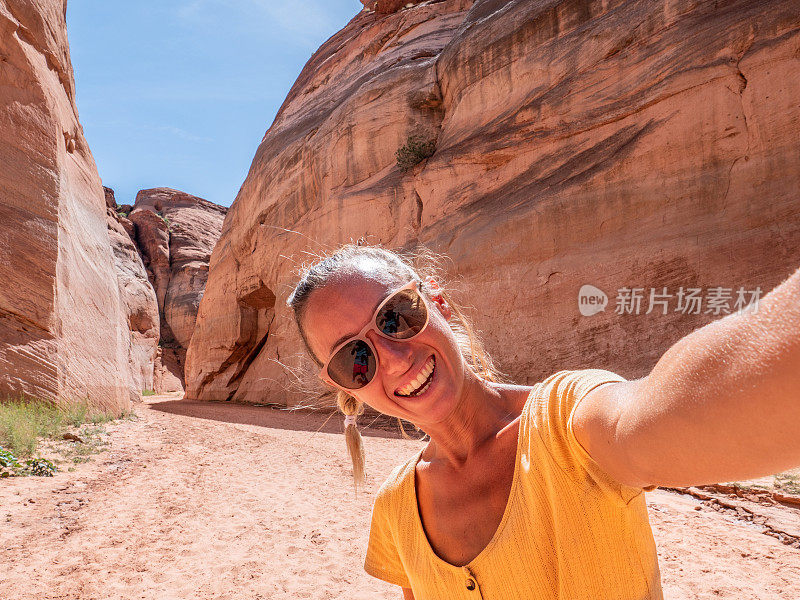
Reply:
x=536, y=491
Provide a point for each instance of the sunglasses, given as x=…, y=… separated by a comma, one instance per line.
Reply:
x=401, y=316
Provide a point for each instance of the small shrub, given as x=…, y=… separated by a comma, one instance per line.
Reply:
x=24, y=421
x=40, y=467
x=97, y=418
x=788, y=482
x=122, y=214
x=148, y=393
x=77, y=415
x=11, y=467
x=416, y=149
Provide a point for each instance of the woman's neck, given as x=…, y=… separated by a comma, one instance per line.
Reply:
x=485, y=409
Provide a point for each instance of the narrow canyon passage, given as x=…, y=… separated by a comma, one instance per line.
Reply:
x=197, y=500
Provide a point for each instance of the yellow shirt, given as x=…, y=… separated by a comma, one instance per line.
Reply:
x=569, y=531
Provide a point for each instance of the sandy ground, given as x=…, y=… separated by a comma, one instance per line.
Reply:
x=219, y=501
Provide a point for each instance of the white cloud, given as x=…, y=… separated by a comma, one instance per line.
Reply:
x=307, y=22
x=307, y=17
x=179, y=133
x=130, y=125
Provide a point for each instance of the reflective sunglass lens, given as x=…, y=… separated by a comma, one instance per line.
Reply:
x=353, y=366
x=403, y=316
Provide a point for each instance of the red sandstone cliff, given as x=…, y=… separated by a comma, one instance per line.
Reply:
x=175, y=233
x=137, y=297
x=79, y=316
x=618, y=143
x=63, y=334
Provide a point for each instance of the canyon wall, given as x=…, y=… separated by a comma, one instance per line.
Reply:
x=63, y=334
x=138, y=299
x=625, y=144
x=175, y=233
x=82, y=315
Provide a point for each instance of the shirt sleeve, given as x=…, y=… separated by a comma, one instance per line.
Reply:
x=556, y=399
x=383, y=559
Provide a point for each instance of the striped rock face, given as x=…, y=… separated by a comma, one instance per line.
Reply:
x=619, y=144
x=63, y=331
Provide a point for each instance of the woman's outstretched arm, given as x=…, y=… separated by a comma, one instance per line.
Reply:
x=722, y=404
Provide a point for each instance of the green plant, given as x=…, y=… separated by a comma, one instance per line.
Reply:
x=40, y=467
x=11, y=467
x=165, y=219
x=416, y=149
x=96, y=418
x=24, y=421
x=788, y=482
x=148, y=393
x=122, y=214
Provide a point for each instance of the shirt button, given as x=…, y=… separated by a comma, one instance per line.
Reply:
x=470, y=584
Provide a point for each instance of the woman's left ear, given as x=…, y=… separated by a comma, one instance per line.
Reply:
x=443, y=307
x=436, y=296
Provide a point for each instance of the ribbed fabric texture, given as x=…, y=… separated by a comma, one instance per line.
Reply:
x=569, y=531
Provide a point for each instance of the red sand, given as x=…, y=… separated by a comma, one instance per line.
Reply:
x=223, y=501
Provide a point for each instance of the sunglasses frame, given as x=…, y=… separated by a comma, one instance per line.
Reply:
x=372, y=325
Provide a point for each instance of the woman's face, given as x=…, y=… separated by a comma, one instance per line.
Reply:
x=345, y=305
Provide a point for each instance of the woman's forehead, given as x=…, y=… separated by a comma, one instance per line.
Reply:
x=343, y=306
x=354, y=290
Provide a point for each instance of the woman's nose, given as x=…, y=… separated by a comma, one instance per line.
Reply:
x=395, y=356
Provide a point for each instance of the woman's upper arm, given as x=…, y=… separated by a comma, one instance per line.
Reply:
x=596, y=427
x=407, y=594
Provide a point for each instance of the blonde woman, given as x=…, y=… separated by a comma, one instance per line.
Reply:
x=536, y=491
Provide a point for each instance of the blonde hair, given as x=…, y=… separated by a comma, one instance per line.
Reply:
x=419, y=263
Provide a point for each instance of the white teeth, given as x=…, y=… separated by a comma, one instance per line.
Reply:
x=412, y=386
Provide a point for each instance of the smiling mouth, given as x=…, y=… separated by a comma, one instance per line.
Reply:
x=422, y=382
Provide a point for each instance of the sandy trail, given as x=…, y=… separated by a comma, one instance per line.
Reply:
x=220, y=501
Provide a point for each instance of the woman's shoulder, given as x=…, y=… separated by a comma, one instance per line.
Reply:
x=552, y=401
x=396, y=485
x=550, y=413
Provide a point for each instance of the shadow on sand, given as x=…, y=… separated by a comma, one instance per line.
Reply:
x=323, y=420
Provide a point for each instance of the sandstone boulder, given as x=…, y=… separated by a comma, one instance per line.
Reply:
x=623, y=144
x=63, y=334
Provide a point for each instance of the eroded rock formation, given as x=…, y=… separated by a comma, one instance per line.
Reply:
x=388, y=6
x=175, y=233
x=642, y=144
x=63, y=334
x=137, y=297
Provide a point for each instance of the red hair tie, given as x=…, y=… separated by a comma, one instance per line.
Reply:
x=435, y=290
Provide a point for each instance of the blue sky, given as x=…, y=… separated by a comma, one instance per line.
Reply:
x=180, y=93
